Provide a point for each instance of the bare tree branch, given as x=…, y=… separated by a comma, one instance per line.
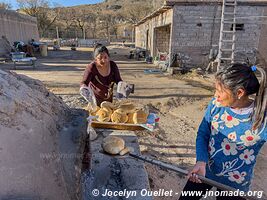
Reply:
x=6, y=6
x=41, y=10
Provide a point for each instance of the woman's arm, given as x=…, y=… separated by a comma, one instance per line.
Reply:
x=117, y=75
x=202, y=141
x=87, y=75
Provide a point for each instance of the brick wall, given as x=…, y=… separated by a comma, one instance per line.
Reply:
x=140, y=35
x=152, y=26
x=196, y=28
x=263, y=41
x=162, y=38
x=194, y=31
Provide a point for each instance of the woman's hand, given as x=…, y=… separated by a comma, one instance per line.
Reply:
x=199, y=169
x=83, y=85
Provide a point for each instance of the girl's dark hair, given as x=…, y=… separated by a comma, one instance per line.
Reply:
x=241, y=76
x=99, y=48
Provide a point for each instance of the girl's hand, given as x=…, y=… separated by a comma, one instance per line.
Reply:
x=199, y=168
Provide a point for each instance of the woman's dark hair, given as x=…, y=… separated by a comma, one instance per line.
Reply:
x=241, y=76
x=99, y=48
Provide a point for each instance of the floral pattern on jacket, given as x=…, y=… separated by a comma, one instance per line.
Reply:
x=227, y=143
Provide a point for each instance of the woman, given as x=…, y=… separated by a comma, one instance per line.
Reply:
x=232, y=131
x=101, y=75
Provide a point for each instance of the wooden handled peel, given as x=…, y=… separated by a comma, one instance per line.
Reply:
x=177, y=170
x=185, y=173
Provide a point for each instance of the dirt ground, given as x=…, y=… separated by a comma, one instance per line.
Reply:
x=179, y=101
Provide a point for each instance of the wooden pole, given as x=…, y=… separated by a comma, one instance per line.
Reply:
x=58, y=42
x=57, y=33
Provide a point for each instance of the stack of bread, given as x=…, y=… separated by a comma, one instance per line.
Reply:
x=125, y=112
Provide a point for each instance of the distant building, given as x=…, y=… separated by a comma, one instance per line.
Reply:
x=192, y=28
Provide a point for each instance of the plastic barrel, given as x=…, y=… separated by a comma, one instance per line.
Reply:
x=43, y=50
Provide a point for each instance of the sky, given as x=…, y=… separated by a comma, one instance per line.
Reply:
x=61, y=2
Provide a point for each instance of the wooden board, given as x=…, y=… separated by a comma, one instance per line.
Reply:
x=116, y=126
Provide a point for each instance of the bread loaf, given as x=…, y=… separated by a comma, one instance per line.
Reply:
x=113, y=145
x=120, y=111
x=103, y=115
x=119, y=117
x=93, y=113
x=130, y=118
x=124, y=151
x=107, y=104
x=127, y=107
x=140, y=117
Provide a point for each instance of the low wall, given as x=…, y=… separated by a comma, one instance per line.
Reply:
x=17, y=27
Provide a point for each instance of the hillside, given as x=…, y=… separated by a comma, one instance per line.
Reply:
x=103, y=20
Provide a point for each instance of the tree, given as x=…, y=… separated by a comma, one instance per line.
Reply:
x=66, y=21
x=32, y=7
x=108, y=22
x=80, y=19
x=92, y=24
x=86, y=20
x=136, y=11
x=41, y=10
x=6, y=6
x=66, y=16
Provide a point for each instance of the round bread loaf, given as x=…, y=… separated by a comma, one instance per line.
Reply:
x=140, y=117
x=124, y=151
x=107, y=104
x=119, y=117
x=113, y=145
x=93, y=113
x=120, y=111
x=91, y=108
x=127, y=107
x=130, y=118
x=103, y=115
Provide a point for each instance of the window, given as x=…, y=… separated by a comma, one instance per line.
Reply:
x=238, y=27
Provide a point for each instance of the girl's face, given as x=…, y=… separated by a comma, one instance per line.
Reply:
x=224, y=96
x=102, y=59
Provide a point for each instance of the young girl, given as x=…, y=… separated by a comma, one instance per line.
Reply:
x=232, y=131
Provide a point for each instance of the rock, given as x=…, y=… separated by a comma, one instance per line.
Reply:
x=92, y=134
x=29, y=139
